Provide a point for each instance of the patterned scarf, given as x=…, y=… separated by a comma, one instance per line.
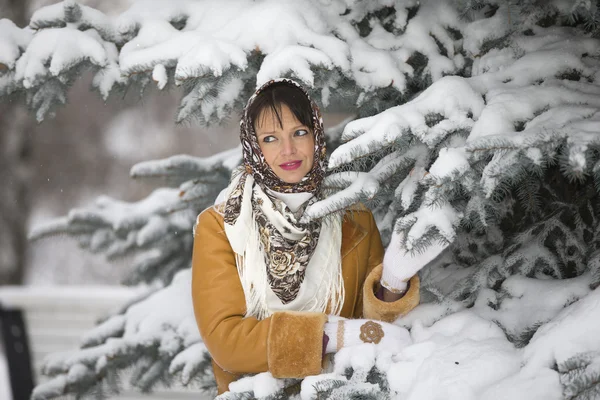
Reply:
x=285, y=244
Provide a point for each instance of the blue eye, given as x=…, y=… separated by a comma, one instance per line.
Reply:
x=269, y=139
x=301, y=132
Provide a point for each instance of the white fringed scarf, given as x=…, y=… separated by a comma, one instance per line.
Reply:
x=323, y=284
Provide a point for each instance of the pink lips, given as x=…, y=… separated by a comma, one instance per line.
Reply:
x=292, y=165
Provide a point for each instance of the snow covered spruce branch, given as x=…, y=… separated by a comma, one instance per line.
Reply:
x=148, y=343
x=518, y=113
x=157, y=229
x=347, y=52
x=148, y=229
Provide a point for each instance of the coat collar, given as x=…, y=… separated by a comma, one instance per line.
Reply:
x=352, y=234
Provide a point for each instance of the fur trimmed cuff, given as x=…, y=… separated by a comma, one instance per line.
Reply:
x=374, y=308
x=295, y=344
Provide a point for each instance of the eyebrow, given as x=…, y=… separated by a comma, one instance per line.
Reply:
x=294, y=128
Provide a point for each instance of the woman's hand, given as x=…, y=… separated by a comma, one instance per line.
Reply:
x=351, y=332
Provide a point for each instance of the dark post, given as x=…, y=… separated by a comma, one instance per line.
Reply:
x=16, y=346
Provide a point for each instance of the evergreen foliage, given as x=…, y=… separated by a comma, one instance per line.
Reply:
x=580, y=376
x=339, y=52
x=477, y=124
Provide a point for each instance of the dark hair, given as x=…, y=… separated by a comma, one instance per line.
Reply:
x=276, y=95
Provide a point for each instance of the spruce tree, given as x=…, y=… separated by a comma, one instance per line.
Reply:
x=476, y=122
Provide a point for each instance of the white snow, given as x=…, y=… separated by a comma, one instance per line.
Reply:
x=294, y=58
x=457, y=353
x=460, y=370
x=574, y=330
x=186, y=361
x=444, y=218
x=121, y=214
x=308, y=388
x=531, y=301
x=229, y=159
x=23, y=297
x=451, y=160
x=261, y=385
x=407, y=189
x=431, y=21
x=63, y=48
x=218, y=38
x=167, y=309
x=465, y=356
x=356, y=184
x=159, y=75
x=52, y=12
x=451, y=96
x=485, y=29
x=12, y=39
x=543, y=385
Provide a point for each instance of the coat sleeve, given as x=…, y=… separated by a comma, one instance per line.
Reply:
x=287, y=344
x=372, y=307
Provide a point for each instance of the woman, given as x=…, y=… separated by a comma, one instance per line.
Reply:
x=269, y=291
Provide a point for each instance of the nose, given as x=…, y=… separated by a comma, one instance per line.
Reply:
x=288, y=147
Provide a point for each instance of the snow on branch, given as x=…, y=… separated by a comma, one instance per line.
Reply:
x=157, y=229
x=343, y=51
x=153, y=229
x=181, y=168
x=13, y=42
x=579, y=375
x=151, y=339
x=578, y=323
x=479, y=134
x=452, y=99
x=77, y=16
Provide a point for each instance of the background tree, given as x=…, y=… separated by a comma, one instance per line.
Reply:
x=477, y=125
x=15, y=167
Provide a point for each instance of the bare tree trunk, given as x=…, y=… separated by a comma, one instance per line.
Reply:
x=15, y=167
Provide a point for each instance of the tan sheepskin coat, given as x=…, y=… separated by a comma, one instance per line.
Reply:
x=288, y=344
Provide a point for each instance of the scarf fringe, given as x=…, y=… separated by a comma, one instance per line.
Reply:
x=333, y=284
x=254, y=280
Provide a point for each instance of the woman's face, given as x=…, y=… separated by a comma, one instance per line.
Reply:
x=288, y=149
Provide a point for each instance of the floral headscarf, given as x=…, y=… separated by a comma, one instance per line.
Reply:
x=254, y=160
x=256, y=165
